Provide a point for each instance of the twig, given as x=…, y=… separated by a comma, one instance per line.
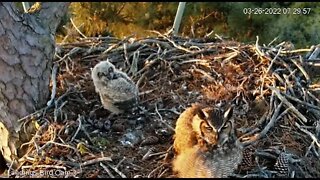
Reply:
x=115, y=45
x=74, y=25
x=163, y=172
x=134, y=64
x=283, y=113
x=301, y=68
x=313, y=97
x=58, y=144
x=193, y=61
x=286, y=102
x=302, y=102
x=171, y=110
x=208, y=76
x=154, y=61
x=272, y=121
x=10, y=168
x=289, y=85
x=87, y=134
x=269, y=68
x=183, y=56
x=117, y=166
x=258, y=48
x=58, y=110
x=154, y=170
x=295, y=51
x=147, y=155
x=267, y=128
x=161, y=120
x=106, y=169
x=313, y=137
x=166, y=45
x=314, y=54
x=78, y=129
x=158, y=153
x=276, y=38
x=172, y=42
x=94, y=161
x=117, y=171
x=36, y=115
x=54, y=83
x=309, y=149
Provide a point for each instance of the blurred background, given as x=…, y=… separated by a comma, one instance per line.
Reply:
x=227, y=19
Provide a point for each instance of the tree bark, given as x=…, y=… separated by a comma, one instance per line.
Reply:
x=27, y=47
x=26, y=57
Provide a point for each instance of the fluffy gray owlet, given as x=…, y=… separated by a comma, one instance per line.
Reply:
x=118, y=93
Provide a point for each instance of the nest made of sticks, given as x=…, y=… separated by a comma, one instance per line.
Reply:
x=276, y=104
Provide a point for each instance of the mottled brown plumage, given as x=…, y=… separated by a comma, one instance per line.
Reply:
x=218, y=161
x=117, y=91
x=192, y=127
x=205, y=143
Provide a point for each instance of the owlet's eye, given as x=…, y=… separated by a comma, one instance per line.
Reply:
x=100, y=74
x=110, y=70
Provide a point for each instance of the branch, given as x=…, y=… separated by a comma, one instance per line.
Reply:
x=287, y=103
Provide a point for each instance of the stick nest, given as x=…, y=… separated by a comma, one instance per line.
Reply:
x=276, y=106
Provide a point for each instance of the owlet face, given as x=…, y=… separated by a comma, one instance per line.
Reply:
x=106, y=72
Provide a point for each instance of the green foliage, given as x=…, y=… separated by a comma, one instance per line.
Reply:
x=125, y=18
x=203, y=18
x=302, y=30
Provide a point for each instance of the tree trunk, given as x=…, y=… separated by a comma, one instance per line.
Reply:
x=27, y=47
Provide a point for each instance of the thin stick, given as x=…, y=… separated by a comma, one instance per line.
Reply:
x=117, y=44
x=117, y=171
x=286, y=102
x=10, y=168
x=295, y=51
x=172, y=42
x=269, y=68
x=267, y=128
x=147, y=155
x=158, y=153
x=205, y=74
x=283, y=113
x=74, y=25
x=302, y=102
x=93, y=161
x=154, y=170
x=313, y=137
x=272, y=121
x=120, y=162
x=54, y=83
x=313, y=97
x=161, y=119
x=301, y=68
x=276, y=38
x=106, y=169
x=78, y=129
x=163, y=172
x=257, y=47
